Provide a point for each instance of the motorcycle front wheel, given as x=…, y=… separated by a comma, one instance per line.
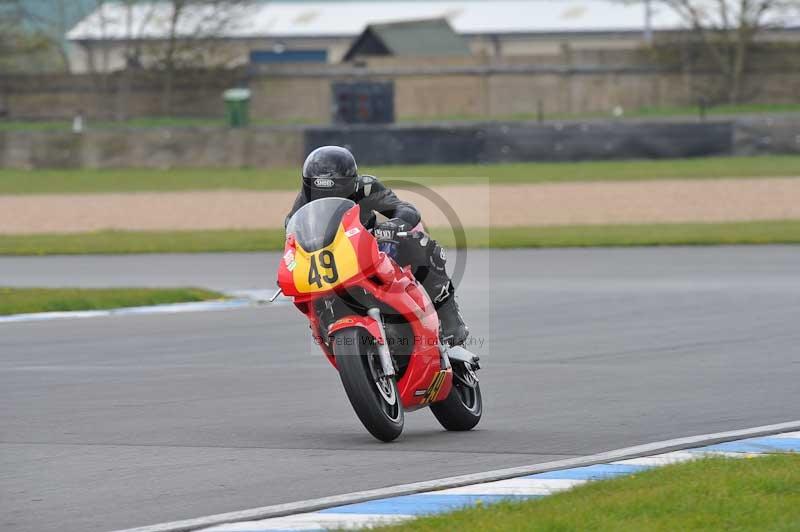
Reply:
x=374, y=398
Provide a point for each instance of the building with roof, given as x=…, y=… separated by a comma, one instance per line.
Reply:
x=414, y=38
x=325, y=31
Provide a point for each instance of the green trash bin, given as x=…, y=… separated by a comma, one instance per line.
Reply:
x=237, y=107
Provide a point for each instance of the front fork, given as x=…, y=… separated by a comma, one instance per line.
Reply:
x=383, y=347
x=446, y=353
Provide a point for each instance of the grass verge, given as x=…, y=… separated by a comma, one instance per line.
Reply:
x=667, y=234
x=83, y=181
x=25, y=300
x=177, y=121
x=124, y=242
x=711, y=494
x=687, y=112
x=121, y=242
x=145, y=122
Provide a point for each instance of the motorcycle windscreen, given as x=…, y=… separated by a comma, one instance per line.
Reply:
x=315, y=224
x=324, y=255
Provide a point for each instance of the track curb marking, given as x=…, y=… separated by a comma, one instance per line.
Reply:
x=239, y=299
x=170, y=308
x=311, y=505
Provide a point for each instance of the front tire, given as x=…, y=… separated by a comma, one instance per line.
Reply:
x=463, y=407
x=375, y=399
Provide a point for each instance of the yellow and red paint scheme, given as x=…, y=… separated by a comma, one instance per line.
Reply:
x=360, y=264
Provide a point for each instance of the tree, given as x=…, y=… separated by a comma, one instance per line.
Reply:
x=157, y=38
x=726, y=32
x=193, y=31
x=26, y=44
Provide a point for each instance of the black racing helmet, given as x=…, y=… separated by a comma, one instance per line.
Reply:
x=329, y=172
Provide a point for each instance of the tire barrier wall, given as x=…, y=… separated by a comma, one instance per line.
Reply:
x=271, y=147
x=518, y=142
x=767, y=135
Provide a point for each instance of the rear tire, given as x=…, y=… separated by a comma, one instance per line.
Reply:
x=463, y=407
x=375, y=401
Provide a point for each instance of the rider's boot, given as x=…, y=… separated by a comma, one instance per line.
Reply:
x=454, y=330
x=429, y=261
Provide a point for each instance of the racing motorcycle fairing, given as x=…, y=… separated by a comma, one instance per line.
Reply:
x=333, y=269
x=326, y=246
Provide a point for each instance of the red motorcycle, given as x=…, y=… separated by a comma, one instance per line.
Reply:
x=375, y=323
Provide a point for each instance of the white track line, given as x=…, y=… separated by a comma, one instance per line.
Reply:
x=174, y=308
x=677, y=457
x=314, y=521
x=241, y=299
x=515, y=486
x=441, y=501
x=312, y=505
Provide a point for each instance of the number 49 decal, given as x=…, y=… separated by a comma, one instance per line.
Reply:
x=330, y=274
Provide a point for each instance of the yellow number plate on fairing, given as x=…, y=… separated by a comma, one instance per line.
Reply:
x=326, y=268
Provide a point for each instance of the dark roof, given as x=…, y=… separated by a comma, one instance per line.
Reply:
x=430, y=37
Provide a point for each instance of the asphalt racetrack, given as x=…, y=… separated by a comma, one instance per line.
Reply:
x=127, y=421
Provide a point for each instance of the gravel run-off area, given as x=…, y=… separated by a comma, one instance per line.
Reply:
x=719, y=200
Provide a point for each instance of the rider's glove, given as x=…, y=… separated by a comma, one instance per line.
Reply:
x=387, y=231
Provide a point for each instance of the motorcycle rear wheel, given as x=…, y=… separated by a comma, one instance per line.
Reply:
x=463, y=407
x=375, y=399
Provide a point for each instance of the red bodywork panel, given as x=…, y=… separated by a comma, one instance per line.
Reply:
x=421, y=383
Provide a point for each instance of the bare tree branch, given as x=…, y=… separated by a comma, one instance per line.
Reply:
x=727, y=31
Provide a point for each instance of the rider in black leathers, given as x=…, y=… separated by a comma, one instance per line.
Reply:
x=331, y=171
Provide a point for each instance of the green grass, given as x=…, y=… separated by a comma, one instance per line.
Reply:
x=711, y=494
x=145, y=122
x=668, y=234
x=120, y=242
x=141, y=122
x=642, y=112
x=25, y=300
x=688, y=111
x=718, y=110
x=79, y=181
